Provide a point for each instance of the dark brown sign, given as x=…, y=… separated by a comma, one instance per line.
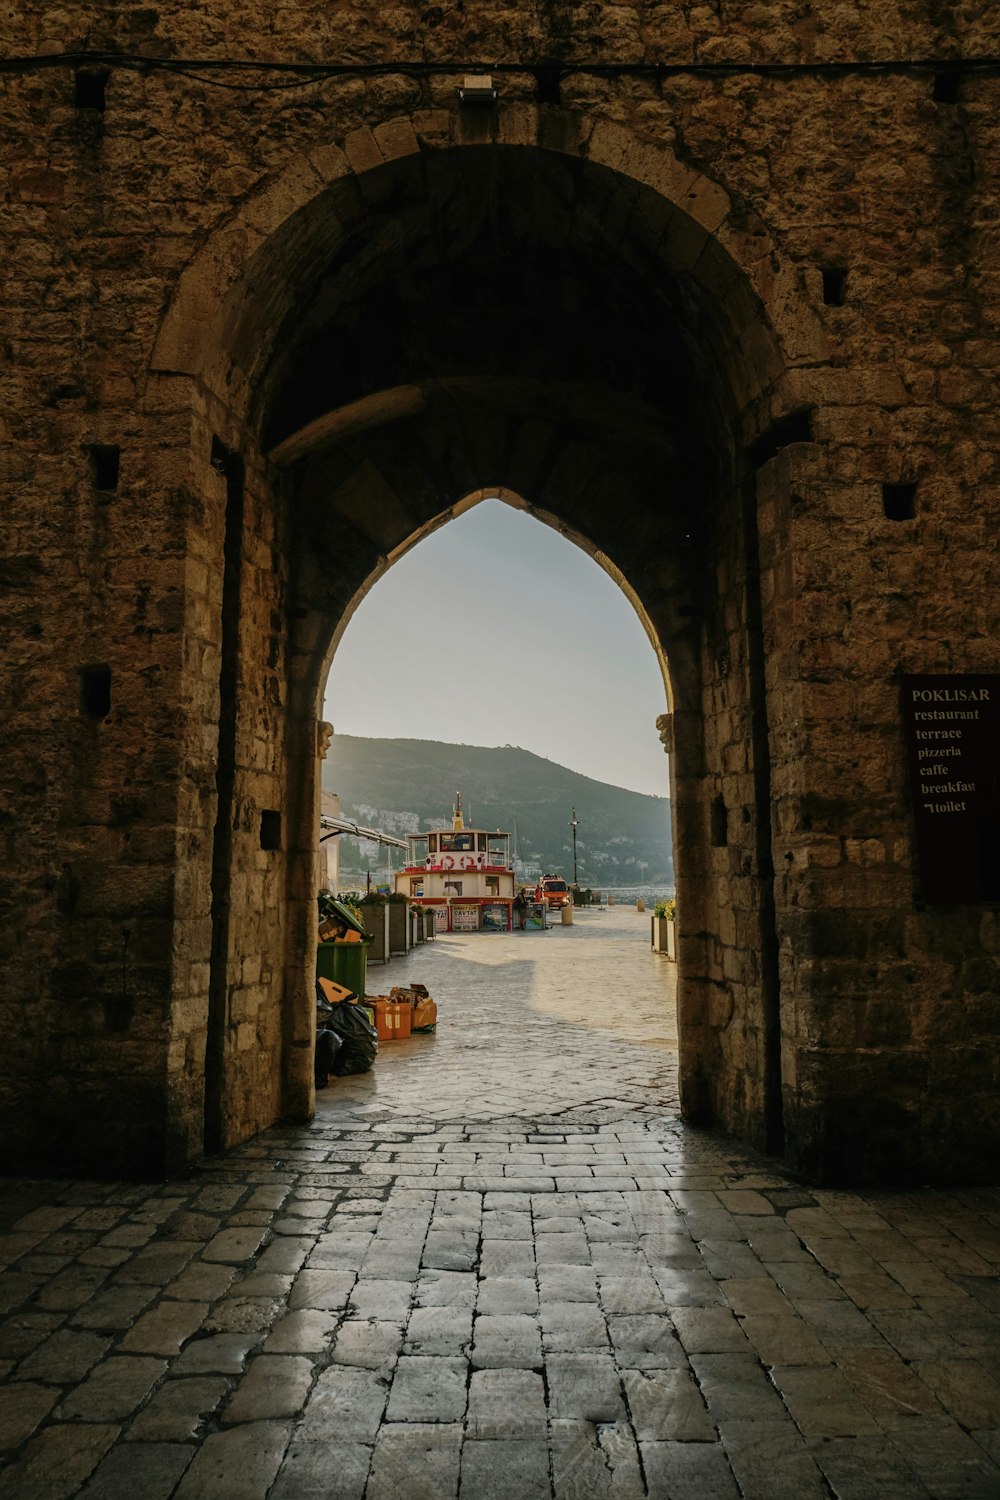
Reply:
x=952, y=727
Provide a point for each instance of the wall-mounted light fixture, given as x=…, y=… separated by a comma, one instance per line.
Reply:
x=477, y=90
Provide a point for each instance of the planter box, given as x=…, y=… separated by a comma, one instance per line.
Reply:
x=399, y=926
x=664, y=936
x=376, y=920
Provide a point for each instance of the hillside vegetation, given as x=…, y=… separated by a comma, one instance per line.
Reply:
x=403, y=786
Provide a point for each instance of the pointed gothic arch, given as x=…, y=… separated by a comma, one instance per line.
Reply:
x=335, y=334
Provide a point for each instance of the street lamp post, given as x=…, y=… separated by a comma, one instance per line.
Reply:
x=574, y=824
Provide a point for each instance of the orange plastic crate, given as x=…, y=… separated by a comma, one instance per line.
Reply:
x=392, y=1019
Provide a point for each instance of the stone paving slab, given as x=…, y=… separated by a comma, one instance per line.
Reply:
x=589, y=1301
x=179, y=1410
x=149, y=1470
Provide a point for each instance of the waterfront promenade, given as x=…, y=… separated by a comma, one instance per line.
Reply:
x=500, y=1268
x=569, y=1018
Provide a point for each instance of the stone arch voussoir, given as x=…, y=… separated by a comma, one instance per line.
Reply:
x=770, y=327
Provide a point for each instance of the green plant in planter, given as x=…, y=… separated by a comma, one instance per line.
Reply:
x=666, y=908
x=327, y=903
x=352, y=900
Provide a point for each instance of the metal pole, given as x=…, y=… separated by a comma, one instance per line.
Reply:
x=573, y=825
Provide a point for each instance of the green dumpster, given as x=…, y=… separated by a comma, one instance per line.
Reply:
x=345, y=962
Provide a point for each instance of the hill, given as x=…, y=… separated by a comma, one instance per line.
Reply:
x=403, y=786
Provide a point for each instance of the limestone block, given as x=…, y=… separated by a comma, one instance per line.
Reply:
x=362, y=151
x=270, y=204
x=434, y=127
x=396, y=138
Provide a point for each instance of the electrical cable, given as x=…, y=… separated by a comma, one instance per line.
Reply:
x=309, y=73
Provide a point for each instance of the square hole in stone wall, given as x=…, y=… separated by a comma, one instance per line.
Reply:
x=90, y=88
x=899, y=501
x=95, y=691
x=105, y=465
x=270, y=829
x=719, y=822
x=549, y=81
x=834, y=285
x=947, y=85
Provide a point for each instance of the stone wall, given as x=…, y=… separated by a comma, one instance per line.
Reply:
x=730, y=304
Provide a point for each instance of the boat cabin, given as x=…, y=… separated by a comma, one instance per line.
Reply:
x=464, y=875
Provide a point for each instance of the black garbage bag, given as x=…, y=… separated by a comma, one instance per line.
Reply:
x=349, y=1023
x=328, y=1044
x=358, y=1038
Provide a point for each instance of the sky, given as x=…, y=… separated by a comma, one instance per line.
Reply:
x=495, y=630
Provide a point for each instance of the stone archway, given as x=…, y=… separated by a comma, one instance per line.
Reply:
x=350, y=386
x=789, y=226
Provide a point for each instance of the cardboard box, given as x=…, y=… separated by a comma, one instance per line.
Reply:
x=408, y=992
x=334, y=992
x=392, y=1020
x=332, y=930
x=424, y=1017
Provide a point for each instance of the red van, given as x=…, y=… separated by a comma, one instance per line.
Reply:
x=554, y=892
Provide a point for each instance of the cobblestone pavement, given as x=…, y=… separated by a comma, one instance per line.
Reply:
x=499, y=1268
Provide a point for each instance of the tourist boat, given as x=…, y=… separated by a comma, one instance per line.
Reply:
x=464, y=875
